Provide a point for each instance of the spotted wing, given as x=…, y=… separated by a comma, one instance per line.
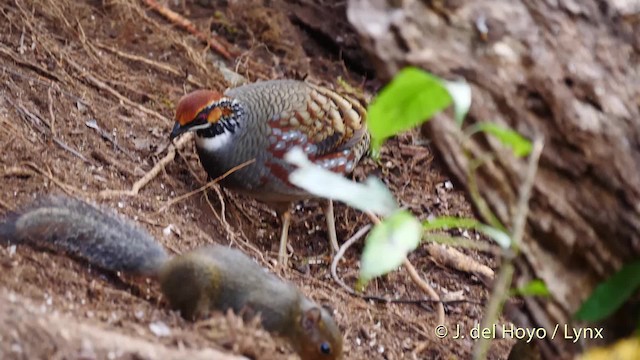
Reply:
x=330, y=128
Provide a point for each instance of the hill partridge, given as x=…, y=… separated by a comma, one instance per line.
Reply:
x=261, y=122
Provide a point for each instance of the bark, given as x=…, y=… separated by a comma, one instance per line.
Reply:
x=567, y=70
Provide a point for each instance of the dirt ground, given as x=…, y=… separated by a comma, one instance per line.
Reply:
x=86, y=102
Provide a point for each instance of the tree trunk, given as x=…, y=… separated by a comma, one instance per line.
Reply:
x=567, y=70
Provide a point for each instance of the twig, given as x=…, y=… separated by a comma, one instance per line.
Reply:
x=71, y=150
x=178, y=20
x=38, y=69
x=158, y=65
x=48, y=84
x=334, y=264
x=52, y=116
x=6, y=206
x=334, y=274
x=501, y=288
x=465, y=243
x=103, y=86
x=205, y=186
x=35, y=119
x=35, y=169
x=413, y=273
x=451, y=257
x=93, y=124
x=151, y=174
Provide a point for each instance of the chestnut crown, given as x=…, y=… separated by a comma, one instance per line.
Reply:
x=198, y=110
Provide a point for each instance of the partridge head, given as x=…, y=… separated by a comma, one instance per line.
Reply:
x=260, y=123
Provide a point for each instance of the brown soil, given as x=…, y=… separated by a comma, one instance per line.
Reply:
x=70, y=65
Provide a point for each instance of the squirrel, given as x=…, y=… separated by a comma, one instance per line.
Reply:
x=195, y=283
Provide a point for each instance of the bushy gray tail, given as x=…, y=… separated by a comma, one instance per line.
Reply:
x=101, y=237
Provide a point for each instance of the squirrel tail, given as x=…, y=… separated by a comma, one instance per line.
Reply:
x=101, y=237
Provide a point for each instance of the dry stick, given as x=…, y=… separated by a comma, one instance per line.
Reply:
x=38, y=81
x=451, y=257
x=103, y=86
x=21, y=171
x=228, y=228
x=25, y=112
x=190, y=168
x=38, y=69
x=413, y=274
x=158, y=65
x=151, y=174
x=178, y=20
x=52, y=125
x=206, y=186
x=5, y=205
x=505, y=275
x=334, y=274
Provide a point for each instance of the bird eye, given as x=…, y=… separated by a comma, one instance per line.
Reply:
x=325, y=348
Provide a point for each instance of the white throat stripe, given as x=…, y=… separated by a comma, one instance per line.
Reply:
x=213, y=143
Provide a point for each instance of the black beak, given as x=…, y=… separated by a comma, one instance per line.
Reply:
x=178, y=130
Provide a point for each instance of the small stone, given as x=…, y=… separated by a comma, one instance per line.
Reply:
x=448, y=185
x=159, y=329
x=167, y=230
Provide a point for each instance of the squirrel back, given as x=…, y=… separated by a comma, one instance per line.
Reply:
x=99, y=236
x=217, y=277
x=195, y=283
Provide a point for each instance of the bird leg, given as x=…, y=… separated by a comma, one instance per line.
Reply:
x=331, y=225
x=285, y=218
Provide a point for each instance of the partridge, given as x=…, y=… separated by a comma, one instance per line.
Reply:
x=261, y=122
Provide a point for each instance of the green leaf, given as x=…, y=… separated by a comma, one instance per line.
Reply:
x=372, y=195
x=534, y=287
x=611, y=294
x=519, y=145
x=412, y=97
x=388, y=244
x=448, y=222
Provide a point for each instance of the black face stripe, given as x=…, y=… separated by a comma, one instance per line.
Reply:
x=226, y=122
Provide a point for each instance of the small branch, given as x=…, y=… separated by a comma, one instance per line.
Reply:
x=334, y=274
x=52, y=116
x=35, y=169
x=100, y=85
x=214, y=43
x=205, y=186
x=151, y=174
x=158, y=65
x=413, y=273
x=37, y=121
x=453, y=258
x=345, y=246
x=6, y=51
